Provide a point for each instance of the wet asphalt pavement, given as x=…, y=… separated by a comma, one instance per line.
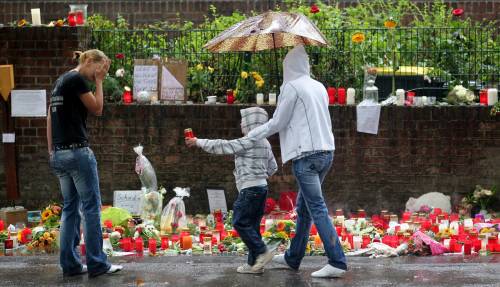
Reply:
x=220, y=271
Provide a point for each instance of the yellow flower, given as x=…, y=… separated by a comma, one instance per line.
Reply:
x=266, y=234
x=259, y=84
x=244, y=75
x=46, y=214
x=210, y=69
x=199, y=67
x=46, y=235
x=390, y=24
x=358, y=38
x=22, y=23
x=256, y=76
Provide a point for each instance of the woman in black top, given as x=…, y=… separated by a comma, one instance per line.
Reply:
x=74, y=163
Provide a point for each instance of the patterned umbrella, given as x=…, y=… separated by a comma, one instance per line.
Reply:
x=270, y=30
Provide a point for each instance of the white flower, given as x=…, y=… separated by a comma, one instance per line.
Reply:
x=120, y=73
x=136, y=235
x=487, y=192
x=162, y=190
x=115, y=235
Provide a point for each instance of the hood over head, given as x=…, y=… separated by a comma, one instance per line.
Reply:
x=252, y=118
x=296, y=64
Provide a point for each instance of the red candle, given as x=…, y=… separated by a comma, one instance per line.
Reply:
x=164, y=242
x=262, y=228
x=458, y=247
x=338, y=228
x=314, y=231
x=350, y=239
x=127, y=97
x=79, y=17
x=152, y=246
x=406, y=216
x=188, y=133
x=72, y=19
x=461, y=229
x=437, y=211
x=331, y=95
x=452, y=245
x=341, y=96
x=491, y=247
x=82, y=249
x=467, y=248
x=454, y=217
x=139, y=245
x=9, y=243
x=477, y=245
x=230, y=97
x=483, y=97
x=409, y=98
x=366, y=241
x=2, y=225
x=175, y=238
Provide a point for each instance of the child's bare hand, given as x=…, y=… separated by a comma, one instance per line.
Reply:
x=191, y=142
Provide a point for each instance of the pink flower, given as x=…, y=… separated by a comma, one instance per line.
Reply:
x=458, y=12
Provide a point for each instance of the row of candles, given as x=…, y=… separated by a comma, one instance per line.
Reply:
x=76, y=16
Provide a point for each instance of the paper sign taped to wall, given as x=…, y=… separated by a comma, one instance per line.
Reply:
x=145, y=76
x=29, y=103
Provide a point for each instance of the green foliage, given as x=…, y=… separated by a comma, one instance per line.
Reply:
x=428, y=35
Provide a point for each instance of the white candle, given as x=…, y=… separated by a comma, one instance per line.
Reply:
x=351, y=96
x=446, y=243
x=35, y=17
x=492, y=97
x=424, y=101
x=468, y=223
x=356, y=240
x=260, y=99
x=400, y=95
x=272, y=98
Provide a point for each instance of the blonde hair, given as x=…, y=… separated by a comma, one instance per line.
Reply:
x=94, y=54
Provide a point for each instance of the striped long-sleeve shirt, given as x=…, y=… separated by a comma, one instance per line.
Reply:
x=254, y=160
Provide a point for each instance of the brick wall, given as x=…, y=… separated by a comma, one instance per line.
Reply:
x=447, y=149
x=147, y=11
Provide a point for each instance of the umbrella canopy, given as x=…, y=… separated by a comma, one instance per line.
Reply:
x=268, y=31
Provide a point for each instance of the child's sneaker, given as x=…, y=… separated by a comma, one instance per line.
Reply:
x=247, y=269
x=262, y=260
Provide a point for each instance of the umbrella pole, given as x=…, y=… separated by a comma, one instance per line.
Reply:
x=276, y=77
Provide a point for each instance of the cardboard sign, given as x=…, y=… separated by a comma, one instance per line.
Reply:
x=128, y=199
x=6, y=80
x=29, y=103
x=216, y=199
x=173, y=80
x=145, y=76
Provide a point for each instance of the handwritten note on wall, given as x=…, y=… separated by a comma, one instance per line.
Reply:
x=145, y=78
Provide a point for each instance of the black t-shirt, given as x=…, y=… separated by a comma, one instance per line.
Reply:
x=68, y=114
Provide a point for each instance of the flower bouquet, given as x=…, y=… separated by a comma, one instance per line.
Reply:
x=51, y=215
x=174, y=214
x=279, y=233
x=43, y=240
x=248, y=83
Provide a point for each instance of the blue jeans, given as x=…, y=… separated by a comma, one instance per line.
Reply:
x=310, y=172
x=248, y=212
x=77, y=173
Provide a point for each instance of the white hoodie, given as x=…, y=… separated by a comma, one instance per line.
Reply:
x=301, y=116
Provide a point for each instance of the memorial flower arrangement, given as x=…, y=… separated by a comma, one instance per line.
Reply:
x=43, y=240
x=51, y=215
x=247, y=85
x=201, y=78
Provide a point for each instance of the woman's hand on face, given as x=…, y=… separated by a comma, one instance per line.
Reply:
x=102, y=71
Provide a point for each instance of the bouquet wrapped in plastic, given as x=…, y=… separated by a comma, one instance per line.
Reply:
x=145, y=170
x=174, y=214
x=152, y=202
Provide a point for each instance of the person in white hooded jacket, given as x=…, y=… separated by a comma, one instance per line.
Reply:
x=304, y=125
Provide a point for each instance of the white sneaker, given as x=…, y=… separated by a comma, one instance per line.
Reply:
x=84, y=268
x=262, y=260
x=328, y=272
x=247, y=269
x=114, y=269
x=280, y=259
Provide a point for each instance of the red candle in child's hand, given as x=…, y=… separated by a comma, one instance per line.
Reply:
x=341, y=96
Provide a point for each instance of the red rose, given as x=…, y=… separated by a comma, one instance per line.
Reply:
x=458, y=12
x=314, y=9
x=120, y=56
x=108, y=223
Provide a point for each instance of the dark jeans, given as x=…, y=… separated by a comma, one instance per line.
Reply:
x=248, y=212
x=310, y=173
x=77, y=173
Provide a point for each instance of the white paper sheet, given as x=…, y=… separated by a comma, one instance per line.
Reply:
x=29, y=103
x=368, y=116
x=216, y=199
